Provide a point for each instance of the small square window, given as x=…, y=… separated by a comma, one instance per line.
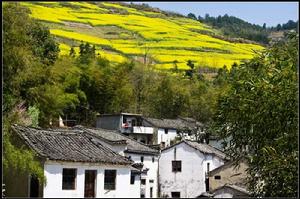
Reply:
x=151, y=181
x=176, y=166
x=69, y=179
x=166, y=131
x=143, y=181
x=217, y=177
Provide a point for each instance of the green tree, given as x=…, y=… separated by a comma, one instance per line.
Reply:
x=260, y=114
x=192, y=16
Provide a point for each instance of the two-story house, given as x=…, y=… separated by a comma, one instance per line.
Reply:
x=149, y=130
x=184, y=167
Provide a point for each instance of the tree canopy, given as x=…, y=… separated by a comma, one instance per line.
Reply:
x=260, y=113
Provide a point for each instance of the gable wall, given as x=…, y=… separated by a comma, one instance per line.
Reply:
x=190, y=182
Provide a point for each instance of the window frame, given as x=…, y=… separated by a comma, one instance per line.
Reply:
x=143, y=180
x=176, y=167
x=217, y=177
x=64, y=185
x=110, y=186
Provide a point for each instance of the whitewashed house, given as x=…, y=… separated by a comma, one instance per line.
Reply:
x=76, y=165
x=183, y=168
x=166, y=130
x=149, y=130
x=145, y=157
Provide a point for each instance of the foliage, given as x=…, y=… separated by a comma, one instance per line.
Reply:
x=33, y=113
x=235, y=27
x=16, y=158
x=260, y=113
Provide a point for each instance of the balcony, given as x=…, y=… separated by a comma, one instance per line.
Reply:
x=142, y=130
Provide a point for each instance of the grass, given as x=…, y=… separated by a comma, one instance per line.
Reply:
x=135, y=32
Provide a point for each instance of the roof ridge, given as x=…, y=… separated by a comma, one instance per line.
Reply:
x=114, y=131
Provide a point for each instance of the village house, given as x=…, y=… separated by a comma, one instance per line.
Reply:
x=75, y=165
x=150, y=130
x=143, y=155
x=229, y=180
x=183, y=168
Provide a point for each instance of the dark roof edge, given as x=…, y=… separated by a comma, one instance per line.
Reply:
x=141, y=152
x=117, y=114
x=232, y=187
x=224, y=166
x=194, y=148
x=14, y=126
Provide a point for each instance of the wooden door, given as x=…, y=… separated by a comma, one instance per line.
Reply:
x=89, y=183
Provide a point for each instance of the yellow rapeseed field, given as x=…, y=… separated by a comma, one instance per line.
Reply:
x=164, y=39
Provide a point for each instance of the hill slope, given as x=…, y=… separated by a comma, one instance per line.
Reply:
x=121, y=32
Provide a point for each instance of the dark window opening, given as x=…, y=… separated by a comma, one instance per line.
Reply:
x=142, y=158
x=142, y=195
x=110, y=179
x=217, y=177
x=207, y=167
x=124, y=120
x=34, y=186
x=143, y=181
x=133, y=122
x=207, y=184
x=166, y=131
x=176, y=166
x=151, y=181
x=132, y=178
x=139, y=122
x=69, y=178
x=151, y=192
x=143, y=141
x=175, y=194
x=152, y=159
x=163, y=144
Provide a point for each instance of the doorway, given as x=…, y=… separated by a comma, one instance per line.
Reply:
x=34, y=186
x=89, y=183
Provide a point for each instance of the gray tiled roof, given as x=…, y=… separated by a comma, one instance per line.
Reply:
x=67, y=145
x=179, y=123
x=204, y=148
x=112, y=135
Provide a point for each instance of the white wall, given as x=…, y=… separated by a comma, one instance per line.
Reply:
x=53, y=188
x=163, y=137
x=151, y=174
x=190, y=182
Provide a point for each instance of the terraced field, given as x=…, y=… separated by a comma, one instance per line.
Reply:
x=122, y=33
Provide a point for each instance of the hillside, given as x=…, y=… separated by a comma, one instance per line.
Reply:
x=121, y=32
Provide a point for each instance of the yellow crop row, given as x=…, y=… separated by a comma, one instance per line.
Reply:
x=80, y=37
